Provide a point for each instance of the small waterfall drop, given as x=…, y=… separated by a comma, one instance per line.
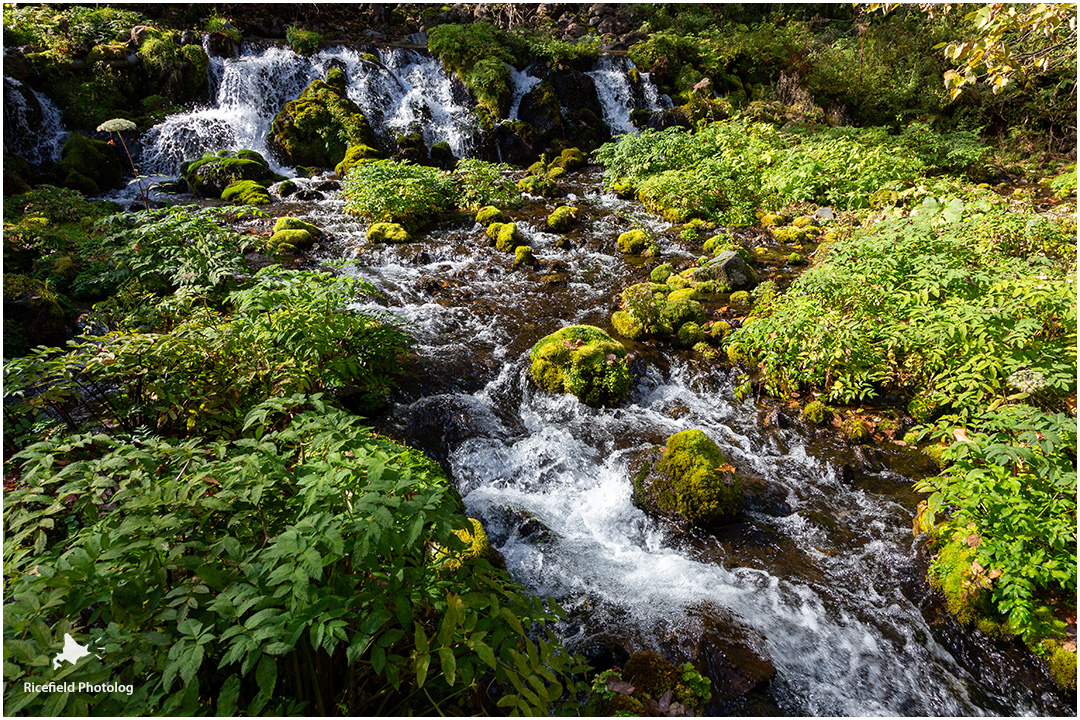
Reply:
x=33, y=128
x=523, y=82
x=400, y=90
x=619, y=96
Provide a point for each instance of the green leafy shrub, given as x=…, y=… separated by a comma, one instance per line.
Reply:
x=478, y=53
x=62, y=29
x=308, y=567
x=398, y=192
x=303, y=42
x=1009, y=489
x=584, y=361
x=930, y=306
x=481, y=183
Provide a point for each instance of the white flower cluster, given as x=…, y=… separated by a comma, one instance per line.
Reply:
x=1027, y=380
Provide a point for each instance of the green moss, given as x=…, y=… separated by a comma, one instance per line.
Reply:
x=246, y=192
x=387, y=233
x=539, y=185
x=320, y=126
x=949, y=573
x=491, y=214
x=651, y=674
x=815, y=412
x=584, y=361
x=687, y=293
x=922, y=410
x=719, y=329
x=291, y=223
x=287, y=242
x=740, y=298
x=211, y=174
x=523, y=255
x=796, y=259
x=803, y=221
x=855, y=430
x=355, y=155
x=89, y=166
x=679, y=282
x=625, y=325
x=570, y=160
x=477, y=546
x=633, y=242
x=677, y=311
x=624, y=189
x=694, y=479
x=690, y=334
x=508, y=237
x=661, y=273
x=1062, y=664
x=563, y=218
x=770, y=220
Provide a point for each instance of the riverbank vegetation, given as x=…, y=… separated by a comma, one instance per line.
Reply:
x=191, y=483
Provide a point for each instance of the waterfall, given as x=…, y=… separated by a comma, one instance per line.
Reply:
x=523, y=82
x=619, y=96
x=33, y=128
x=400, y=90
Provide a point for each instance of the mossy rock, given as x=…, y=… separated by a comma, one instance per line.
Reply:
x=477, y=546
x=661, y=273
x=1062, y=664
x=690, y=334
x=770, y=220
x=563, y=218
x=803, y=221
x=211, y=174
x=719, y=330
x=442, y=156
x=679, y=310
x=584, y=361
x=387, y=233
x=815, y=412
x=795, y=259
x=288, y=241
x=923, y=410
x=246, y=192
x=291, y=223
x=490, y=214
x=523, y=255
x=508, y=237
x=320, y=126
x=634, y=242
x=855, y=430
x=34, y=315
x=948, y=573
x=741, y=298
x=651, y=674
x=679, y=282
x=89, y=166
x=570, y=160
x=625, y=324
x=355, y=155
x=624, y=189
x=539, y=185
x=692, y=480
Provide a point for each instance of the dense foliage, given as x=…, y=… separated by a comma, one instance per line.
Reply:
x=399, y=192
x=306, y=567
x=727, y=169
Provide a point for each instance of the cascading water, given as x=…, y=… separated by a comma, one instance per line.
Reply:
x=397, y=89
x=523, y=81
x=815, y=572
x=33, y=128
x=619, y=95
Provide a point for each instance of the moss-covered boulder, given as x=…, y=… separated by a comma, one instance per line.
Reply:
x=442, y=156
x=523, y=255
x=355, y=155
x=728, y=268
x=690, y=334
x=89, y=166
x=34, y=315
x=539, y=186
x=570, y=160
x=508, y=237
x=212, y=173
x=490, y=214
x=815, y=412
x=320, y=126
x=584, y=361
x=661, y=273
x=246, y=192
x=387, y=233
x=633, y=242
x=291, y=223
x=691, y=479
x=563, y=218
x=288, y=242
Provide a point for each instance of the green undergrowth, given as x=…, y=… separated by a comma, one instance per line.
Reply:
x=306, y=566
x=726, y=170
x=398, y=192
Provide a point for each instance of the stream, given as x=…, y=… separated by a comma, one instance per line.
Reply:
x=820, y=576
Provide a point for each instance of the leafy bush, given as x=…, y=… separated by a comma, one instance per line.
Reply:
x=557, y=53
x=726, y=169
x=481, y=183
x=308, y=567
x=286, y=332
x=1010, y=487
x=478, y=53
x=922, y=306
x=63, y=29
x=399, y=192
x=303, y=42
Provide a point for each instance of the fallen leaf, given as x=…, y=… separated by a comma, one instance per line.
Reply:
x=1070, y=646
x=622, y=687
x=973, y=540
x=726, y=469
x=961, y=435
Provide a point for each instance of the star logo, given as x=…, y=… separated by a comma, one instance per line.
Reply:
x=72, y=652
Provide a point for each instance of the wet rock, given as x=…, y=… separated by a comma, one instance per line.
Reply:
x=730, y=269
x=438, y=423
x=727, y=654
x=211, y=174
x=328, y=186
x=308, y=195
x=540, y=109
x=518, y=143
x=319, y=126
x=89, y=166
